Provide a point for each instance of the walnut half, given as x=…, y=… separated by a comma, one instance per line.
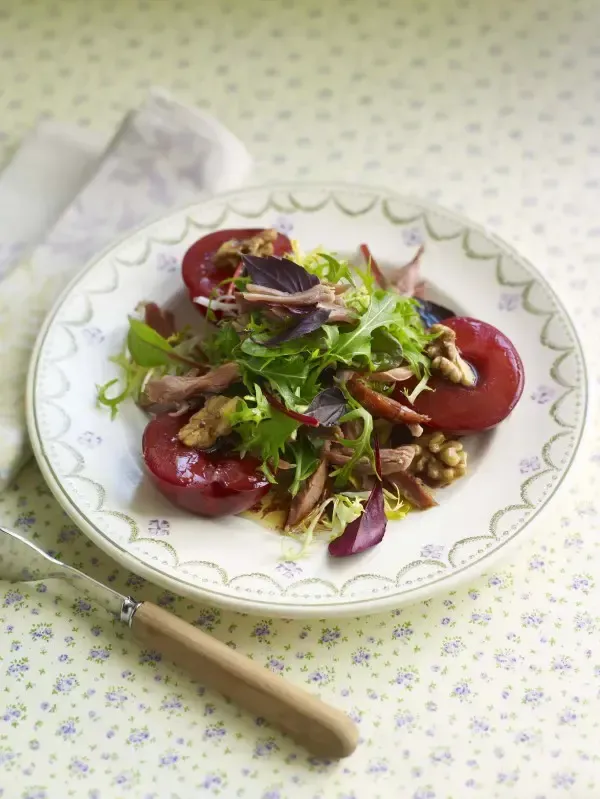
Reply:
x=230, y=251
x=446, y=358
x=212, y=421
x=440, y=460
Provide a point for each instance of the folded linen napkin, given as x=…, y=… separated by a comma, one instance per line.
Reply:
x=65, y=196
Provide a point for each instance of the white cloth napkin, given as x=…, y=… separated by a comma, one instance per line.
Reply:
x=66, y=195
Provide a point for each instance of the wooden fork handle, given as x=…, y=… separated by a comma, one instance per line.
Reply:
x=323, y=730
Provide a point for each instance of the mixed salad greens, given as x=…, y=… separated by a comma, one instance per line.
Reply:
x=297, y=369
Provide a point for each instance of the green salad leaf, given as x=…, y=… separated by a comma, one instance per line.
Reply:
x=147, y=347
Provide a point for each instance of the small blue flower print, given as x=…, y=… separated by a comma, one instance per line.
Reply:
x=79, y=767
x=25, y=520
x=168, y=759
x=562, y=664
x=172, y=704
x=412, y=237
x=14, y=599
x=82, y=607
x=67, y=729
x=98, y=655
x=149, y=658
x=159, y=527
x=215, y=731
x=403, y=631
x=13, y=714
x=68, y=534
x=462, y=691
x=533, y=697
x=543, y=394
x=568, y=716
x=18, y=668
x=404, y=720
x=432, y=551
x=532, y=619
x=208, y=619
x=65, y=684
x=330, y=636
x=89, y=439
x=563, y=780
x=441, y=755
x=261, y=631
x=480, y=726
x=509, y=302
x=289, y=569
x=406, y=678
x=379, y=766
x=166, y=263
x=529, y=465
x=507, y=659
x=92, y=335
x=265, y=747
x=138, y=737
x=361, y=656
x=283, y=224
x=452, y=646
x=582, y=582
x=275, y=664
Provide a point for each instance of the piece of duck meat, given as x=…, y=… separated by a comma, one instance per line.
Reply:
x=312, y=296
x=163, y=322
x=413, y=489
x=339, y=314
x=392, y=460
x=407, y=279
x=307, y=498
x=382, y=406
x=175, y=389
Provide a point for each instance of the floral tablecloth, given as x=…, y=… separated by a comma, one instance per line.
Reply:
x=490, y=691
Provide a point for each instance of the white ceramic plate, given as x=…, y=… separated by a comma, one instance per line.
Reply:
x=94, y=466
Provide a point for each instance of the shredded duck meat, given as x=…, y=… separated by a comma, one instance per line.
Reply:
x=314, y=295
x=173, y=389
x=407, y=279
x=413, y=490
x=308, y=497
x=392, y=460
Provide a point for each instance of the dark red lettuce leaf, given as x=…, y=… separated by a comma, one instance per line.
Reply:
x=278, y=273
x=431, y=313
x=299, y=417
x=328, y=407
x=160, y=320
x=368, y=530
x=306, y=324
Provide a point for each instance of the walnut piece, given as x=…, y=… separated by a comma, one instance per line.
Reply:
x=229, y=252
x=439, y=459
x=446, y=358
x=204, y=427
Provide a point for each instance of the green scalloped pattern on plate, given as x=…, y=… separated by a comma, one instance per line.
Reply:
x=372, y=590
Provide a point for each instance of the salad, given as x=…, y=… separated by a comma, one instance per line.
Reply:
x=336, y=393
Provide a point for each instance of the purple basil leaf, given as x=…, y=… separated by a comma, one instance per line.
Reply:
x=368, y=530
x=431, y=313
x=328, y=407
x=307, y=324
x=365, y=532
x=278, y=273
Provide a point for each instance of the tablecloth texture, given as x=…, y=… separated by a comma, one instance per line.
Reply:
x=491, y=691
